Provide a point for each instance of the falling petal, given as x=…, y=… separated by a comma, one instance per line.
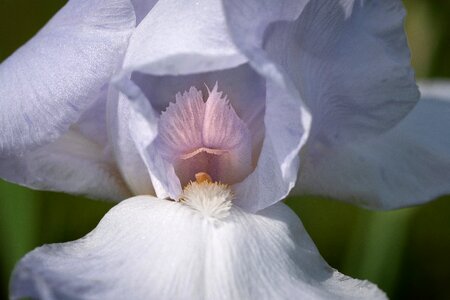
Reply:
x=148, y=248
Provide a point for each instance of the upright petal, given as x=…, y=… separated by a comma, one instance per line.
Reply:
x=349, y=60
x=192, y=37
x=181, y=37
x=175, y=37
x=126, y=154
x=287, y=119
x=148, y=248
x=407, y=165
x=49, y=82
x=345, y=63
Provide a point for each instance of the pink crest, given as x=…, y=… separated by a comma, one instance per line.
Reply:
x=198, y=136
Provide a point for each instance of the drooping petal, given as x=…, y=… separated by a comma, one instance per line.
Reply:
x=349, y=60
x=147, y=248
x=72, y=164
x=79, y=162
x=93, y=122
x=407, y=165
x=49, y=82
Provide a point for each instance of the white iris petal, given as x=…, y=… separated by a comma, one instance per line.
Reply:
x=148, y=248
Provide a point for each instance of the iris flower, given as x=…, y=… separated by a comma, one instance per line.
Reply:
x=206, y=113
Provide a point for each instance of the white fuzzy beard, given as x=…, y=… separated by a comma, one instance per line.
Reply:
x=211, y=199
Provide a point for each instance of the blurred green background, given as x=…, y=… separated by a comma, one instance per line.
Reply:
x=406, y=252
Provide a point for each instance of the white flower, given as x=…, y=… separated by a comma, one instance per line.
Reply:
x=323, y=84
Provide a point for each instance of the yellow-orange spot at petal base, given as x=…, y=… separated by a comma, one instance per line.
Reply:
x=202, y=177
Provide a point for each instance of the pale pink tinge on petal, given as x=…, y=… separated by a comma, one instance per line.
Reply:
x=198, y=136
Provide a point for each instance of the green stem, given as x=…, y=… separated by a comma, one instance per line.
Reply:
x=377, y=246
x=19, y=216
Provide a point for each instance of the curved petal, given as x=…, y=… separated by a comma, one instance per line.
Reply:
x=408, y=165
x=287, y=119
x=181, y=37
x=138, y=129
x=126, y=153
x=147, y=248
x=72, y=164
x=48, y=83
x=306, y=50
x=92, y=123
x=78, y=162
x=198, y=41
x=174, y=37
x=286, y=130
x=349, y=60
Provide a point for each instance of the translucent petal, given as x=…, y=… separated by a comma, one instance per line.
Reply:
x=407, y=165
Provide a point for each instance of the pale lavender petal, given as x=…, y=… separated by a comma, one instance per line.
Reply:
x=181, y=37
x=148, y=248
x=72, y=164
x=407, y=165
x=79, y=162
x=126, y=153
x=286, y=131
x=92, y=123
x=141, y=129
x=349, y=60
x=286, y=125
x=142, y=8
x=287, y=119
x=49, y=82
x=166, y=42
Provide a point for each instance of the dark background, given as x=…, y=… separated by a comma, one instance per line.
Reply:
x=406, y=252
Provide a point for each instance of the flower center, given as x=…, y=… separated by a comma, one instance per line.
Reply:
x=205, y=136
x=212, y=199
